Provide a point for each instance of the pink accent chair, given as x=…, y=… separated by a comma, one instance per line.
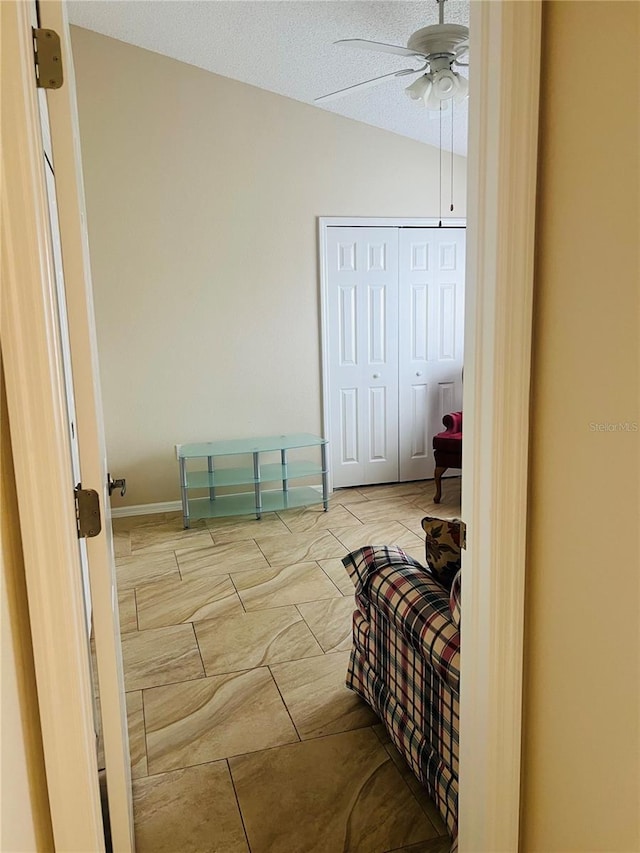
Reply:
x=447, y=449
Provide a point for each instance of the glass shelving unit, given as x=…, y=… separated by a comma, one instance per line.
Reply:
x=258, y=474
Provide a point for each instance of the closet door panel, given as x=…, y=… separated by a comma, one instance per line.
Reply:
x=431, y=318
x=362, y=276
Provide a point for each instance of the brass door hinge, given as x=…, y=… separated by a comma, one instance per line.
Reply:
x=88, y=518
x=463, y=535
x=47, y=59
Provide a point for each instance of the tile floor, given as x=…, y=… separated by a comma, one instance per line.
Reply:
x=235, y=639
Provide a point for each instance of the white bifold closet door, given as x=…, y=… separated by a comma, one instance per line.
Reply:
x=431, y=320
x=395, y=344
x=363, y=354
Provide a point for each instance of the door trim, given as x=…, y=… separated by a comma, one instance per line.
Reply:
x=65, y=138
x=503, y=158
x=503, y=153
x=36, y=396
x=324, y=223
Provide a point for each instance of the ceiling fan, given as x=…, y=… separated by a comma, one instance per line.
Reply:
x=440, y=47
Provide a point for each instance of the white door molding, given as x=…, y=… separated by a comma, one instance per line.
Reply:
x=324, y=223
x=503, y=129
x=39, y=435
x=65, y=140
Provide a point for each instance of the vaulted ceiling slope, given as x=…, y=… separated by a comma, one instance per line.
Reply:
x=286, y=46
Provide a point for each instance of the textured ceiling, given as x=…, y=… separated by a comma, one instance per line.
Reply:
x=286, y=46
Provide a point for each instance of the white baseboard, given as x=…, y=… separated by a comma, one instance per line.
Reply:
x=145, y=509
x=176, y=506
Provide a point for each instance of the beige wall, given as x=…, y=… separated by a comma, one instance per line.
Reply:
x=25, y=823
x=581, y=749
x=202, y=197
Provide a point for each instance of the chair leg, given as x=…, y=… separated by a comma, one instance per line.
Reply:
x=437, y=475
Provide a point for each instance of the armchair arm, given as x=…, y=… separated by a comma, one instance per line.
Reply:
x=453, y=422
x=362, y=564
x=414, y=603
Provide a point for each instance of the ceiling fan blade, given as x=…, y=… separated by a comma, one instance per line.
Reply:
x=364, y=85
x=381, y=46
x=462, y=50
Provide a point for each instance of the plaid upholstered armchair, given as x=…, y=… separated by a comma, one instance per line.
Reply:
x=405, y=659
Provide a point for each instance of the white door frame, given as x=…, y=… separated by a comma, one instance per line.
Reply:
x=76, y=818
x=65, y=136
x=40, y=445
x=505, y=52
x=501, y=208
x=324, y=223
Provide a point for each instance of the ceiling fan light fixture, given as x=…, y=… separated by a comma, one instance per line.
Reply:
x=420, y=89
x=446, y=87
x=435, y=104
x=436, y=90
x=462, y=89
x=445, y=84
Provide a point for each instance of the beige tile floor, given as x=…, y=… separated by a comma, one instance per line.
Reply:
x=235, y=637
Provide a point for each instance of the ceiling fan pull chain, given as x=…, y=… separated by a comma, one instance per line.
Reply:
x=440, y=171
x=452, y=114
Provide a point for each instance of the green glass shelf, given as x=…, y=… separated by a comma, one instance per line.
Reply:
x=274, y=500
x=245, y=503
x=292, y=470
x=269, y=473
x=220, y=477
x=248, y=445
